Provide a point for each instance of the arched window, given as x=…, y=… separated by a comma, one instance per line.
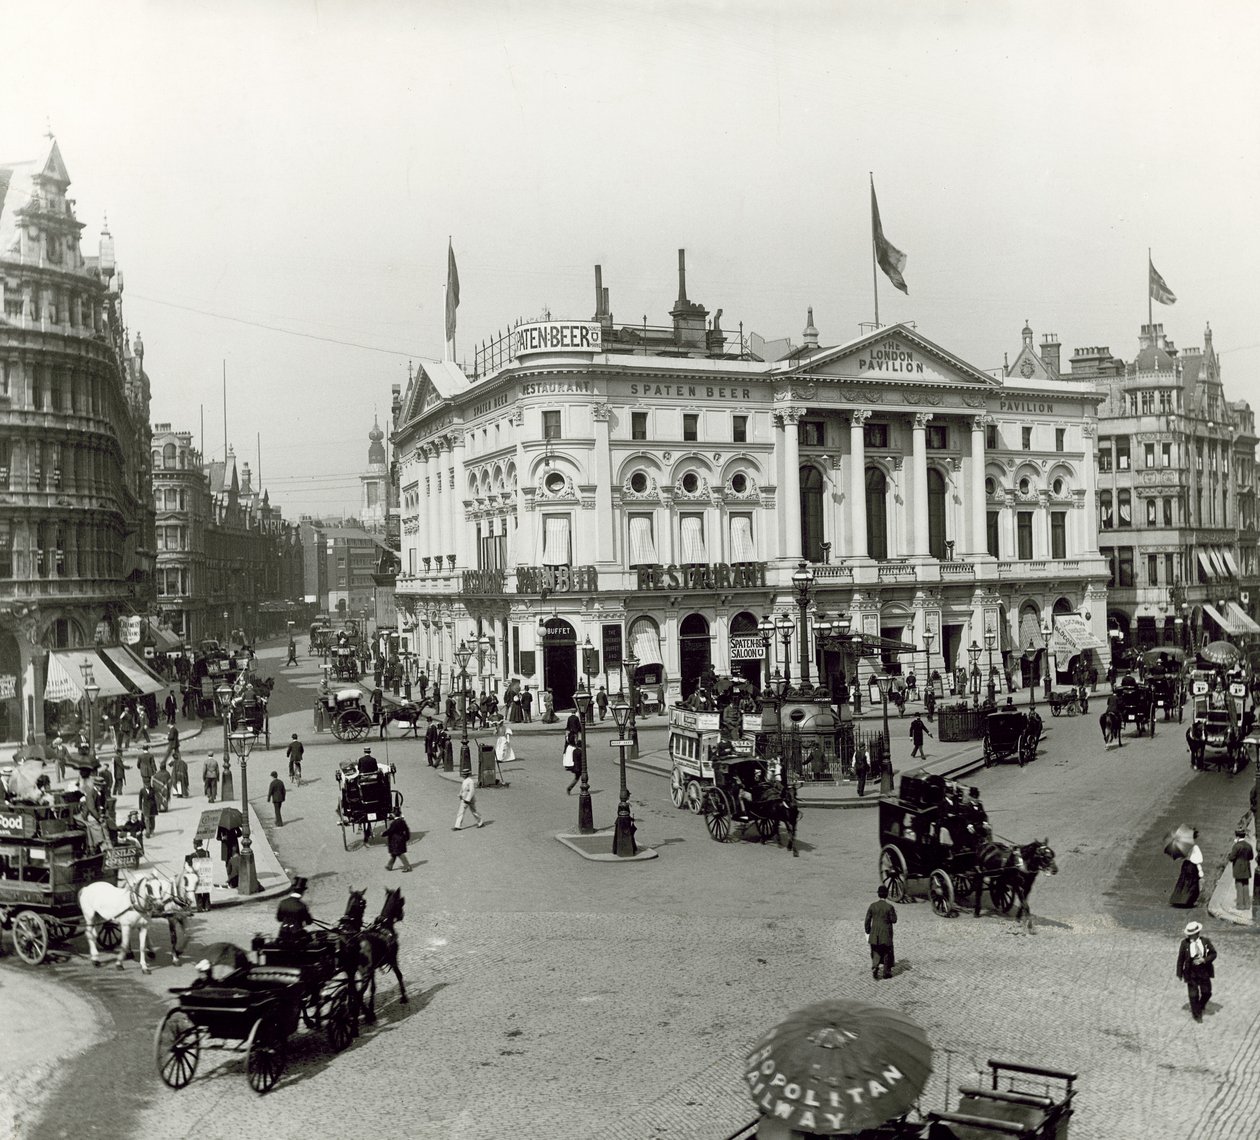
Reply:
x=876, y=514
x=168, y=457
x=811, y=514
x=936, y=513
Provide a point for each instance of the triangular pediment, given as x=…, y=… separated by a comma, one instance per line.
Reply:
x=424, y=398
x=1029, y=366
x=894, y=355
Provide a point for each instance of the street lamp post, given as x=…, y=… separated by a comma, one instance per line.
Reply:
x=779, y=686
x=884, y=681
x=623, y=833
x=586, y=817
x=785, y=627
x=483, y=650
x=803, y=580
x=1047, y=632
x=226, y=633
x=91, y=690
x=766, y=628
x=588, y=652
x=630, y=663
x=973, y=651
x=1032, y=680
x=856, y=641
x=462, y=654
x=989, y=638
x=223, y=694
x=247, y=878
x=928, y=637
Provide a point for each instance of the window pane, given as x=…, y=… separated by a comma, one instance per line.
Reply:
x=876, y=513
x=875, y=435
x=1023, y=528
x=690, y=422
x=937, y=436
x=638, y=425
x=1026, y=436
x=1058, y=534
x=551, y=425
x=1060, y=437
x=992, y=532
x=739, y=429
x=810, y=433
x=936, y=513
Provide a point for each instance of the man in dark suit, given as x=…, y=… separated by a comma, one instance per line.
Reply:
x=430, y=740
x=292, y=913
x=881, y=917
x=1194, y=967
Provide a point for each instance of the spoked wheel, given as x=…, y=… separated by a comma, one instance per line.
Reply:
x=338, y=1020
x=109, y=936
x=177, y=1048
x=31, y=937
x=717, y=815
x=345, y=827
x=892, y=871
x=941, y=892
x=265, y=1062
x=1002, y=894
x=964, y=885
x=677, y=787
x=767, y=828
x=695, y=797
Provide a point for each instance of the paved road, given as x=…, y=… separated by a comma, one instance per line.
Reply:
x=585, y=999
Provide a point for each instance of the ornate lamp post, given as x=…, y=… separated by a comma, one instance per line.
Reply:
x=766, y=628
x=462, y=654
x=1032, y=681
x=928, y=637
x=247, y=879
x=785, y=627
x=779, y=686
x=623, y=832
x=803, y=581
x=586, y=817
x=630, y=663
x=1047, y=632
x=1185, y=625
x=856, y=641
x=226, y=635
x=91, y=690
x=483, y=651
x=831, y=631
x=884, y=681
x=973, y=651
x=588, y=653
x=223, y=695
x=989, y=639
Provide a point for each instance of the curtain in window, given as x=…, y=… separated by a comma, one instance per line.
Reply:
x=645, y=641
x=556, y=540
x=742, y=549
x=936, y=513
x=1125, y=506
x=692, y=535
x=642, y=547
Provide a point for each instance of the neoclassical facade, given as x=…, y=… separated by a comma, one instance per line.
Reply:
x=653, y=491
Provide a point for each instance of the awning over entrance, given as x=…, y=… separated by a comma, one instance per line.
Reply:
x=1029, y=634
x=164, y=641
x=1243, y=618
x=1229, y=561
x=1226, y=621
x=133, y=669
x=1214, y=555
x=1072, y=635
x=1206, y=565
x=645, y=642
x=65, y=675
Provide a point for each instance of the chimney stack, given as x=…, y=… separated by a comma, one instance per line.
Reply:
x=682, y=277
x=599, y=291
x=1050, y=352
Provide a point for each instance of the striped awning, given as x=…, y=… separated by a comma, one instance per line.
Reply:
x=556, y=540
x=642, y=547
x=1229, y=561
x=645, y=641
x=1030, y=634
x=65, y=675
x=1217, y=562
x=1242, y=617
x=133, y=670
x=1226, y=621
x=691, y=533
x=1206, y=565
x=1072, y=635
x=742, y=549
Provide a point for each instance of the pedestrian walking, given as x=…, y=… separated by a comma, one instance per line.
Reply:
x=169, y=707
x=210, y=778
x=575, y=761
x=60, y=758
x=120, y=772
x=601, y=702
x=862, y=768
x=917, y=729
x=294, y=753
x=881, y=917
x=397, y=836
x=1240, y=856
x=430, y=740
x=172, y=743
x=146, y=766
x=1190, y=880
x=148, y=808
x=1195, y=956
x=275, y=796
x=292, y=659
x=467, y=801
x=162, y=786
x=179, y=777
x=141, y=716
x=527, y=705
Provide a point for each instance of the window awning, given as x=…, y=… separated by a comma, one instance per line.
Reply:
x=1206, y=565
x=1072, y=635
x=1243, y=618
x=1217, y=563
x=1030, y=634
x=164, y=641
x=742, y=549
x=1229, y=561
x=556, y=540
x=642, y=548
x=135, y=671
x=65, y=675
x=645, y=642
x=691, y=533
x=1227, y=622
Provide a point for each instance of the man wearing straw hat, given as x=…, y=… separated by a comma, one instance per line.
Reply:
x=1194, y=967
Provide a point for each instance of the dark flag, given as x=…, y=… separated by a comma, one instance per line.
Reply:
x=891, y=260
x=452, y=291
x=1159, y=289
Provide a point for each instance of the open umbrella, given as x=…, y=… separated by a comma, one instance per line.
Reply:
x=1224, y=653
x=839, y=1066
x=1162, y=656
x=1179, y=842
x=230, y=817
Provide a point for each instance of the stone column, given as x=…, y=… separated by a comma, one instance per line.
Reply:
x=979, y=501
x=791, y=494
x=1007, y=549
x=441, y=497
x=1041, y=527
x=605, y=548
x=1089, y=470
x=857, y=482
x=460, y=535
x=427, y=532
x=918, y=484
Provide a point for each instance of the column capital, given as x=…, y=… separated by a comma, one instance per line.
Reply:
x=921, y=420
x=859, y=416
x=979, y=423
x=601, y=412
x=786, y=416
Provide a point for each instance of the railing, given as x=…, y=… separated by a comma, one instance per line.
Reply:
x=896, y=568
x=832, y=572
x=1041, y=566
x=957, y=569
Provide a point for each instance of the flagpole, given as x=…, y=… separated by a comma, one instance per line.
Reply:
x=446, y=351
x=874, y=262
x=1150, y=313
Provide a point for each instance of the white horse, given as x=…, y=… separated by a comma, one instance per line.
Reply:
x=145, y=898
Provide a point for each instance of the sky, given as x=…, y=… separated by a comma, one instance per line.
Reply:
x=281, y=180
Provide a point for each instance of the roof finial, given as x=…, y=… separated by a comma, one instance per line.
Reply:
x=48, y=132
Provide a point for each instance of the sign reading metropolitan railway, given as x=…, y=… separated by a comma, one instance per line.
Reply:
x=557, y=336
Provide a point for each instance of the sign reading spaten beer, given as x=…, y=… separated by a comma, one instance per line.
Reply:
x=557, y=336
x=745, y=648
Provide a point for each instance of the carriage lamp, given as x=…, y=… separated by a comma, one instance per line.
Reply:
x=884, y=681
x=1047, y=632
x=623, y=832
x=462, y=654
x=630, y=663
x=586, y=817
x=973, y=651
x=785, y=627
x=247, y=877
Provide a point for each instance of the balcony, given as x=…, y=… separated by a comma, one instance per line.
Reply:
x=957, y=569
x=1041, y=567
x=896, y=569
x=822, y=572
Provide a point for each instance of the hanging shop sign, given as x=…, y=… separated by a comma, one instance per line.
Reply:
x=746, y=649
x=715, y=576
x=557, y=336
x=555, y=579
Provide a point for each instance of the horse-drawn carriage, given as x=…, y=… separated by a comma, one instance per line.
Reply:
x=1135, y=705
x=1214, y=737
x=321, y=638
x=741, y=794
x=248, y=709
x=347, y=717
x=1169, y=692
x=345, y=662
x=367, y=797
x=46, y=858
x=1011, y=734
x=1064, y=702
x=695, y=739
x=938, y=830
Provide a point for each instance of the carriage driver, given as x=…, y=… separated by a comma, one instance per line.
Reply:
x=292, y=914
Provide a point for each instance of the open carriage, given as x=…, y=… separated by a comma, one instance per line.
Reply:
x=743, y=794
x=368, y=799
x=254, y=1007
x=346, y=715
x=1064, y=702
x=345, y=662
x=1170, y=694
x=1216, y=731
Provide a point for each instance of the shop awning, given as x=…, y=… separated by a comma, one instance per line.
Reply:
x=1215, y=556
x=645, y=642
x=1072, y=635
x=1226, y=621
x=133, y=669
x=65, y=675
x=1243, y=618
x=1206, y=565
x=1229, y=561
x=1030, y=634
x=164, y=641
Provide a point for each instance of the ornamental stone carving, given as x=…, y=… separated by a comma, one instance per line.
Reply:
x=921, y=420
x=859, y=416
x=601, y=412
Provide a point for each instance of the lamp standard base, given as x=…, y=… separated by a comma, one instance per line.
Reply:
x=465, y=759
x=247, y=874
x=623, y=833
x=586, y=814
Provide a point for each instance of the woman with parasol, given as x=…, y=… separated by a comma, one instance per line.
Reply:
x=1183, y=844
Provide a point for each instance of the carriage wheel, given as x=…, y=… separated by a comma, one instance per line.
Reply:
x=717, y=814
x=177, y=1048
x=355, y=724
x=767, y=828
x=677, y=787
x=338, y=1021
x=964, y=884
x=1002, y=893
x=695, y=797
x=892, y=872
x=941, y=892
x=265, y=1061
x=109, y=936
x=339, y=728
x=31, y=937
x=345, y=825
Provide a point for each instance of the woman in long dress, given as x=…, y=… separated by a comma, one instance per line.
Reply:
x=1190, y=881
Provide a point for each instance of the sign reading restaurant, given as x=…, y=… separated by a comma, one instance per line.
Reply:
x=557, y=336
x=716, y=576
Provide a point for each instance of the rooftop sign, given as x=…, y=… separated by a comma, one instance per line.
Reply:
x=557, y=336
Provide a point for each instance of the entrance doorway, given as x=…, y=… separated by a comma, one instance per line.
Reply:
x=559, y=647
x=694, y=651
x=745, y=625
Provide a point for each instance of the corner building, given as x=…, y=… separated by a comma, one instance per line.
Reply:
x=654, y=489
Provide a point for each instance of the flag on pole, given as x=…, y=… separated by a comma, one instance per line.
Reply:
x=452, y=291
x=1159, y=289
x=891, y=260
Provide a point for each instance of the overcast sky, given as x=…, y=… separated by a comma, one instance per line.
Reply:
x=300, y=165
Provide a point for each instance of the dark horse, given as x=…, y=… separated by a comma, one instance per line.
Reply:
x=778, y=805
x=409, y=714
x=1112, y=726
x=378, y=950
x=1014, y=870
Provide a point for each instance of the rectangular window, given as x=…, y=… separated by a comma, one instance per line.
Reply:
x=1165, y=400
x=6, y=549
x=1122, y=453
x=1104, y=454
x=1058, y=534
x=1152, y=512
x=991, y=437
x=739, y=429
x=1165, y=454
x=1168, y=512
x=992, y=531
x=875, y=435
x=937, y=437
x=1106, y=515
x=1109, y=553
x=1170, y=566
x=638, y=425
x=742, y=548
x=6, y=457
x=1148, y=454
x=1152, y=569
x=1124, y=571
x=1025, y=435
x=642, y=544
x=1023, y=535
x=1124, y=507
x=556, y=547
x=1060, y=438
x=691, y=427
x=1148, y=403
x=691, y=540
x=551, y=425
x=810, y=433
